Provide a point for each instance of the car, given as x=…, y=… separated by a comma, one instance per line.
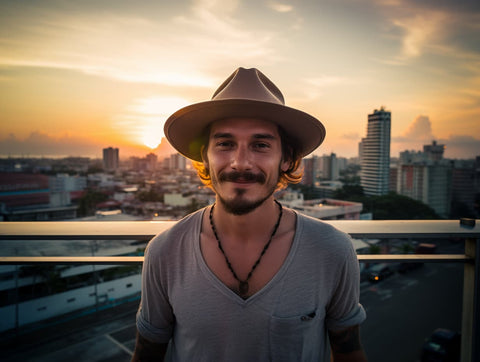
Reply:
x=442, y=346
x=379, y=272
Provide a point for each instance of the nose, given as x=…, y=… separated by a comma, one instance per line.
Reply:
x=240, y=160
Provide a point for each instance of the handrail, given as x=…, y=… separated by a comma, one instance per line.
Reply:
x=144, y=230
x=120, y=260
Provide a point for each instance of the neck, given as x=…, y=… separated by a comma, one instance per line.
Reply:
x=255, y=223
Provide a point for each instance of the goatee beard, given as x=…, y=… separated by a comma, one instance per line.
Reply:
x=239, y=206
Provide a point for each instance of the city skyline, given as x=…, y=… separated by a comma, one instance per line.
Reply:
x=76, y=77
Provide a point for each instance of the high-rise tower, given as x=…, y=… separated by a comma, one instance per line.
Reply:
x=375, y=154
x=110, y=159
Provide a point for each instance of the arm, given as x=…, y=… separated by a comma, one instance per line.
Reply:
x=346, y=346
x=148, y=351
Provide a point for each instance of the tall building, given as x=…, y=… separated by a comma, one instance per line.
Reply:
x=375, y=154
x=152, y=160
x=466, y=188
x=110, y=159
x=309, y=170
x=326, y=167
x=427, y=177
x=177, y=162
x=434, y=152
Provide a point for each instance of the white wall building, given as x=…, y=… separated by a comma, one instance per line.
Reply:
x=375, y=154
x=325, y=209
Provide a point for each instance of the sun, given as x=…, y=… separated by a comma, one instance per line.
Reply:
x=150, y=115
x=151, y=140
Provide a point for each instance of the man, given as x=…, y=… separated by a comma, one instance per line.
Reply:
x=246, y=279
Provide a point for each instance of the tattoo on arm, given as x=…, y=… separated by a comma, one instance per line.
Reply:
x=148, y=351
x=345, y=341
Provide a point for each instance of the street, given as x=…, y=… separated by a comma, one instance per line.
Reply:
x=404, y=309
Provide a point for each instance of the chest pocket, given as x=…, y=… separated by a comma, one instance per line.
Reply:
x=297, y=338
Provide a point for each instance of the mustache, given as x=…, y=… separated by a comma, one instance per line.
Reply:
x=235, y=176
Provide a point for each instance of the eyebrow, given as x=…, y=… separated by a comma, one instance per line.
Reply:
x=256, y=136
x=222, y=135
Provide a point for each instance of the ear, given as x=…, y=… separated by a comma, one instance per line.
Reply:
x=285, y=165
x=203, y=152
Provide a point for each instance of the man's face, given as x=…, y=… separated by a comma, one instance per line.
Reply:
x=244, y=158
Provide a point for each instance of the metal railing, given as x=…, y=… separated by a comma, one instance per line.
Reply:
x=145, y=230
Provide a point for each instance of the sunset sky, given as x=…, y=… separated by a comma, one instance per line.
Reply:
x=78, y=76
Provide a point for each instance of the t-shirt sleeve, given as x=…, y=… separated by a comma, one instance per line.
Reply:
x=344, y=309
x=155, y=318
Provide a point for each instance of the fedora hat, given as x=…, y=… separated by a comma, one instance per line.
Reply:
x=247, y=93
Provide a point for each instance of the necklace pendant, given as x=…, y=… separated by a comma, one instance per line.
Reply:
x=243, y=288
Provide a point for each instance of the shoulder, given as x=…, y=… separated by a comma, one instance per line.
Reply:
x=320, y=228
x=174, y=237
x=324, y=237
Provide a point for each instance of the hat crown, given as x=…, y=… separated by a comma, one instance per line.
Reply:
x=246, y=93
x=249, y=84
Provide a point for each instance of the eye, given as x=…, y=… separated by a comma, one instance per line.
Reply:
x=261, y=146
x=224, y=144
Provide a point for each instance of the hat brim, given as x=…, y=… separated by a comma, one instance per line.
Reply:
x=184, y=128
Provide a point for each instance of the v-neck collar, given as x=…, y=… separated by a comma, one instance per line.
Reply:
x=216, y=282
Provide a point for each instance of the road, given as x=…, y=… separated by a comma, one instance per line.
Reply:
x=402, y=311
x=405, y=308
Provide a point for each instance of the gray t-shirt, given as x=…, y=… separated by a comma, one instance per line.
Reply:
x=316, y=289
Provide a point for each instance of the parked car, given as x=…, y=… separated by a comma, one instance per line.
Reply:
x=442, y=346
x=379, y=272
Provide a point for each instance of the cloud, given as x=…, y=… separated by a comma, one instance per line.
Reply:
x=44, y=145
x=420, y=31
x=461, y=146
x=420, y=133
x=181, y=46
x=352, y=136
x=316, y=86
x=280, y=7
x=41, y=144
x=214, y=29
x=419, y=129
x=429, y=27
x=326, y=81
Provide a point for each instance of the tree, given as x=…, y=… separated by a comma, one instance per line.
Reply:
x=149, y=196
x=387, y=207
x=350, y=192
x=87, y=203
x=398, y=207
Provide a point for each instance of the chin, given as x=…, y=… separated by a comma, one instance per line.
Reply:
x=241, y=206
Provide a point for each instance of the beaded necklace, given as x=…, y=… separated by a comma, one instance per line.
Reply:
x=243, y=284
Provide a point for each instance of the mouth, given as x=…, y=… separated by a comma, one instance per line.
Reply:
x=242, y=177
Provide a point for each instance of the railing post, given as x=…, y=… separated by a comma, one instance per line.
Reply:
x=471, y=304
